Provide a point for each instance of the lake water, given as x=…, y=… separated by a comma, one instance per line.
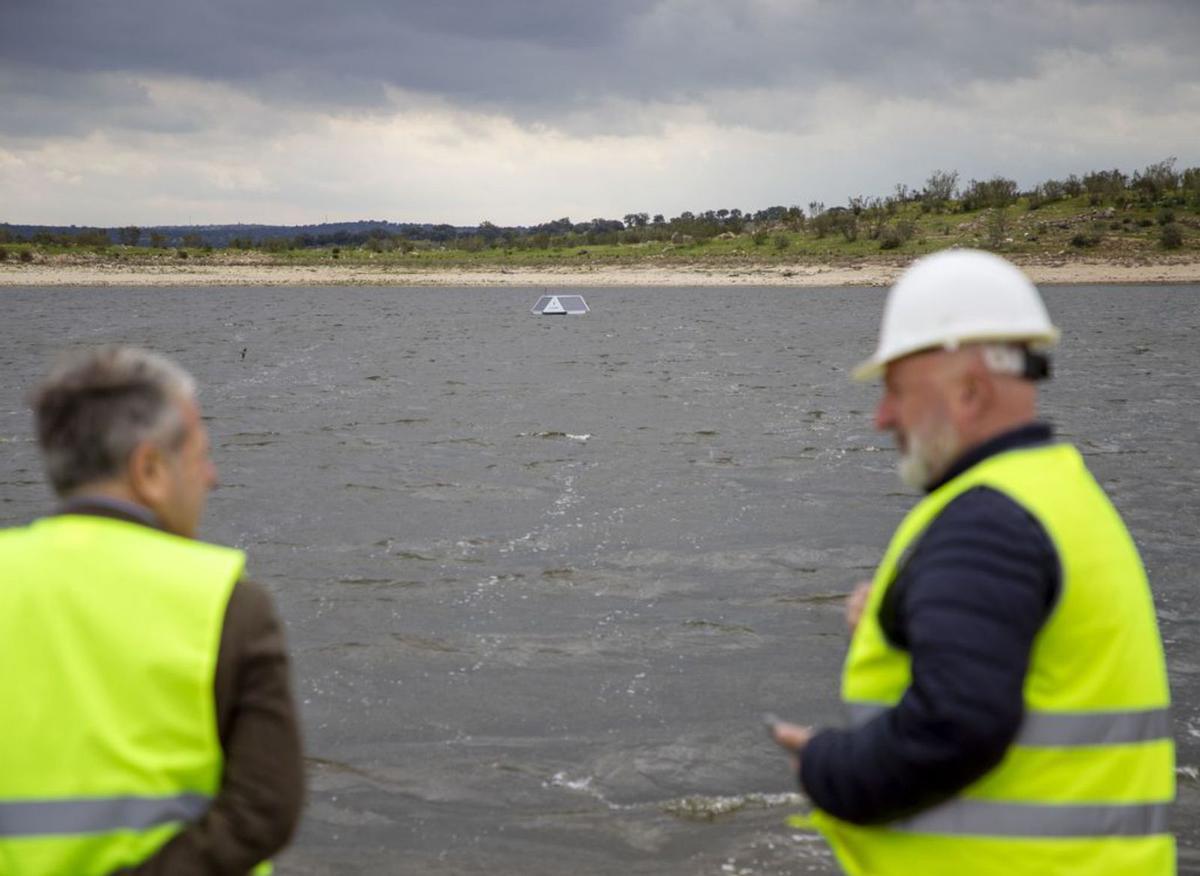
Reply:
x=542, y=575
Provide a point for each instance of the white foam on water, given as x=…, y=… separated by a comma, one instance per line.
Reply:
x=581, y=785
x=566, y=499
x=561, y=780
x=698, y=807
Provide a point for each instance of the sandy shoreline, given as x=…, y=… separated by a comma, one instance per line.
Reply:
x=1052, y=272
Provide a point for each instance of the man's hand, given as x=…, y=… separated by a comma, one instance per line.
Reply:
x=792, y=737
x=856, y=602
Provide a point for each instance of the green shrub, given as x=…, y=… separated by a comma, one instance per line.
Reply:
x=894, y=236
x=822, y=223
x=782, y=242
x=999, y=227
x=939, y=188
x=1157, y=180
x=1047, y=193
x=995, y=192
x=889, y=238
x=1165, y=216
x=843, y=220
x=1106, y=183
x=3, y=254
x=26, y=256
x=1171, y=236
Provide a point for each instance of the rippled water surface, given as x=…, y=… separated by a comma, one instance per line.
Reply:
x=541, y=575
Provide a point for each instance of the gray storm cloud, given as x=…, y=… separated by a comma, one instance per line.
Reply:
x=537, y=59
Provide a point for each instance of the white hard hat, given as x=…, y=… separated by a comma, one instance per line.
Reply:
x=957, y=297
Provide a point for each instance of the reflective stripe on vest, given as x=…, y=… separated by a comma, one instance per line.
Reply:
x=1065, y=729
x=98, y=815
x=989, y=818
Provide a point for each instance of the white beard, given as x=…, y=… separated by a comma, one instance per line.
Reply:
x=928, y=456
x=913, y=471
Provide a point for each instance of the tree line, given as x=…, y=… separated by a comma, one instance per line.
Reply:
x=888, y=219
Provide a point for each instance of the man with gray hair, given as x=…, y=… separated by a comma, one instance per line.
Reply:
x=149, y=723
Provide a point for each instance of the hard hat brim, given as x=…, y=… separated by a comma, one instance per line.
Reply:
x=868, y=369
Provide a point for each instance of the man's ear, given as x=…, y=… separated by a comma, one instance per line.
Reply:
x=147, y=473
x=976, y=389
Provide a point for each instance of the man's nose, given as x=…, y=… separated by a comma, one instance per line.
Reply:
x=885, y=413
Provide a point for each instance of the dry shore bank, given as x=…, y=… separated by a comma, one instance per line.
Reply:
x=1089, y=272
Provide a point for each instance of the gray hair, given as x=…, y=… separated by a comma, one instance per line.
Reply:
x=97, y=405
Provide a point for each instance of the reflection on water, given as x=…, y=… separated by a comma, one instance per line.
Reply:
x=542, y=576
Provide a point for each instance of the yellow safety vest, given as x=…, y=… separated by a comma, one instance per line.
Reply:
x=109, y=633
x=1086, y=785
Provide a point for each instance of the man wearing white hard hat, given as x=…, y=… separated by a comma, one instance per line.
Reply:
x=1005, y=684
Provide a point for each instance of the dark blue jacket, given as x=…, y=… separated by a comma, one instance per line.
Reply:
x=966, y=607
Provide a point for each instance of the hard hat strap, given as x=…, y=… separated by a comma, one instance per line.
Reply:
x=1016, y=361
x=1037, y=366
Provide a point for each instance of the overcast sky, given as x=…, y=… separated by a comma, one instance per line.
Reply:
x=518, y=111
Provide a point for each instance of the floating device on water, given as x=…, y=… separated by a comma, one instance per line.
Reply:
x=560, y=305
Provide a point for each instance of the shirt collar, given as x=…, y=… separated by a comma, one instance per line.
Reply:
x=1029, y=435
x=107, y=506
